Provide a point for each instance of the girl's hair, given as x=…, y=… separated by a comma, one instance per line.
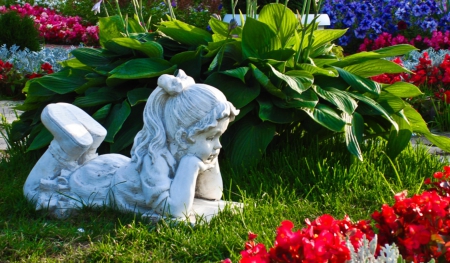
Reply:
x=175, y=108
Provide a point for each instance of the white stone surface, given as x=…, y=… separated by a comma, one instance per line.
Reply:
x=323, y=19
x=173, y=170
x=7, y=111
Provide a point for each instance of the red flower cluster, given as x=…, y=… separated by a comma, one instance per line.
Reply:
x=46, y=68
x=323, y=240
x=434, y=77
x=438, y=40
x=12, y=81
x=392, y=78
x=420, y=225
x=55, y=28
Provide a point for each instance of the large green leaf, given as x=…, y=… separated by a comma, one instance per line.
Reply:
x=307, y=99
x=234, y=89
x=190, y=62
x=375, y=106
x=266, y=83
x=100, y=97
x=353, y=130
x=326, y=117
x=237, y=73
x=403, y=89
x=268, y=111
x=281, y=20
x=62, y=82
x=250, y=140
x=390, y=102
x=374, y=67
x=133, y=124
x=325, y=36
x=419, y=125
x=91, y=57
x=391, y=51
x=102, y=113
x=185, y=33
x=43, y=138
x=152, y=49
x=338, y=98
x=34, y=88
x=74, y=63
x=138, y=95
x=219, y=27
x=115, y=120
x=398, y=140
x=358, y=83
x=110, y=27
x=331, y=72
x=394, y=51
x=93, y=80
x=258, y=39
x=297, y=82
x=415, y=119
x=142, y=68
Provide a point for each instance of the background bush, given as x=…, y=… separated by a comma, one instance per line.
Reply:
x=241, y=5
x=19, y=31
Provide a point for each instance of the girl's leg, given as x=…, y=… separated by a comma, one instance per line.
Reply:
x=77, y=133
x=76, y=138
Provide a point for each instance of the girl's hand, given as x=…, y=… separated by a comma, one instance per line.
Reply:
x=200, y=164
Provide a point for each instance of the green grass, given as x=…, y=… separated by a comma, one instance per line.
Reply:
x=295, y=181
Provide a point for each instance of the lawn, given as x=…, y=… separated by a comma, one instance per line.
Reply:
x=297, y=179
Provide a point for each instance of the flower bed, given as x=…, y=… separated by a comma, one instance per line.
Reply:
x=18, y=66
x=418, y=226
x=56, y=28
x=366, y=19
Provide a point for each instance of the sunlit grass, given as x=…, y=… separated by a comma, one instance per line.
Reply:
x=295, y=181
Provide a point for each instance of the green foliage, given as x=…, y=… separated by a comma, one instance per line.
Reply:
x=292, y=4
x=282, y=75
x=111, y=83
x=286, y=79
x=18, y=30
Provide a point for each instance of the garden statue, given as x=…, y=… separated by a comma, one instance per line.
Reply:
x=173, y=169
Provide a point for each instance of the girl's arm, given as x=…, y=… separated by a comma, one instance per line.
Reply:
x=209, y=183
x=182, y=189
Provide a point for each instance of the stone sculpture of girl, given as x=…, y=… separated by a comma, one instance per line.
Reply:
x=173, y=161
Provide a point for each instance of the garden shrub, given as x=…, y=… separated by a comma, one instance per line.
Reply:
x=368, y=19
x=19, y=31
x=289, y=83
x=241, y=5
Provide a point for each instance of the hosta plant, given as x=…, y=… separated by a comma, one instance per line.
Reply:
x=110, y=83
x=280, y=71
x=285, y=77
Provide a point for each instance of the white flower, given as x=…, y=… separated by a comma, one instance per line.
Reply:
x=96, y=7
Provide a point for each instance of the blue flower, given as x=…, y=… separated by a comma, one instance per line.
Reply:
x=348, y=20
x=343, y=40
x=444, y=22
x=365, y=24
x=424, y=9
x=360, y=33
x=377, y=28
x=362, y=9
x=340, y=7
x=400, y=13
x=429, y=24
x=416, y=10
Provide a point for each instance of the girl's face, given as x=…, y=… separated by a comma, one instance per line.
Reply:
x=207, y=145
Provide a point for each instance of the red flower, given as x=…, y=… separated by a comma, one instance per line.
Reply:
x=401, y=25
x=34, y=75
